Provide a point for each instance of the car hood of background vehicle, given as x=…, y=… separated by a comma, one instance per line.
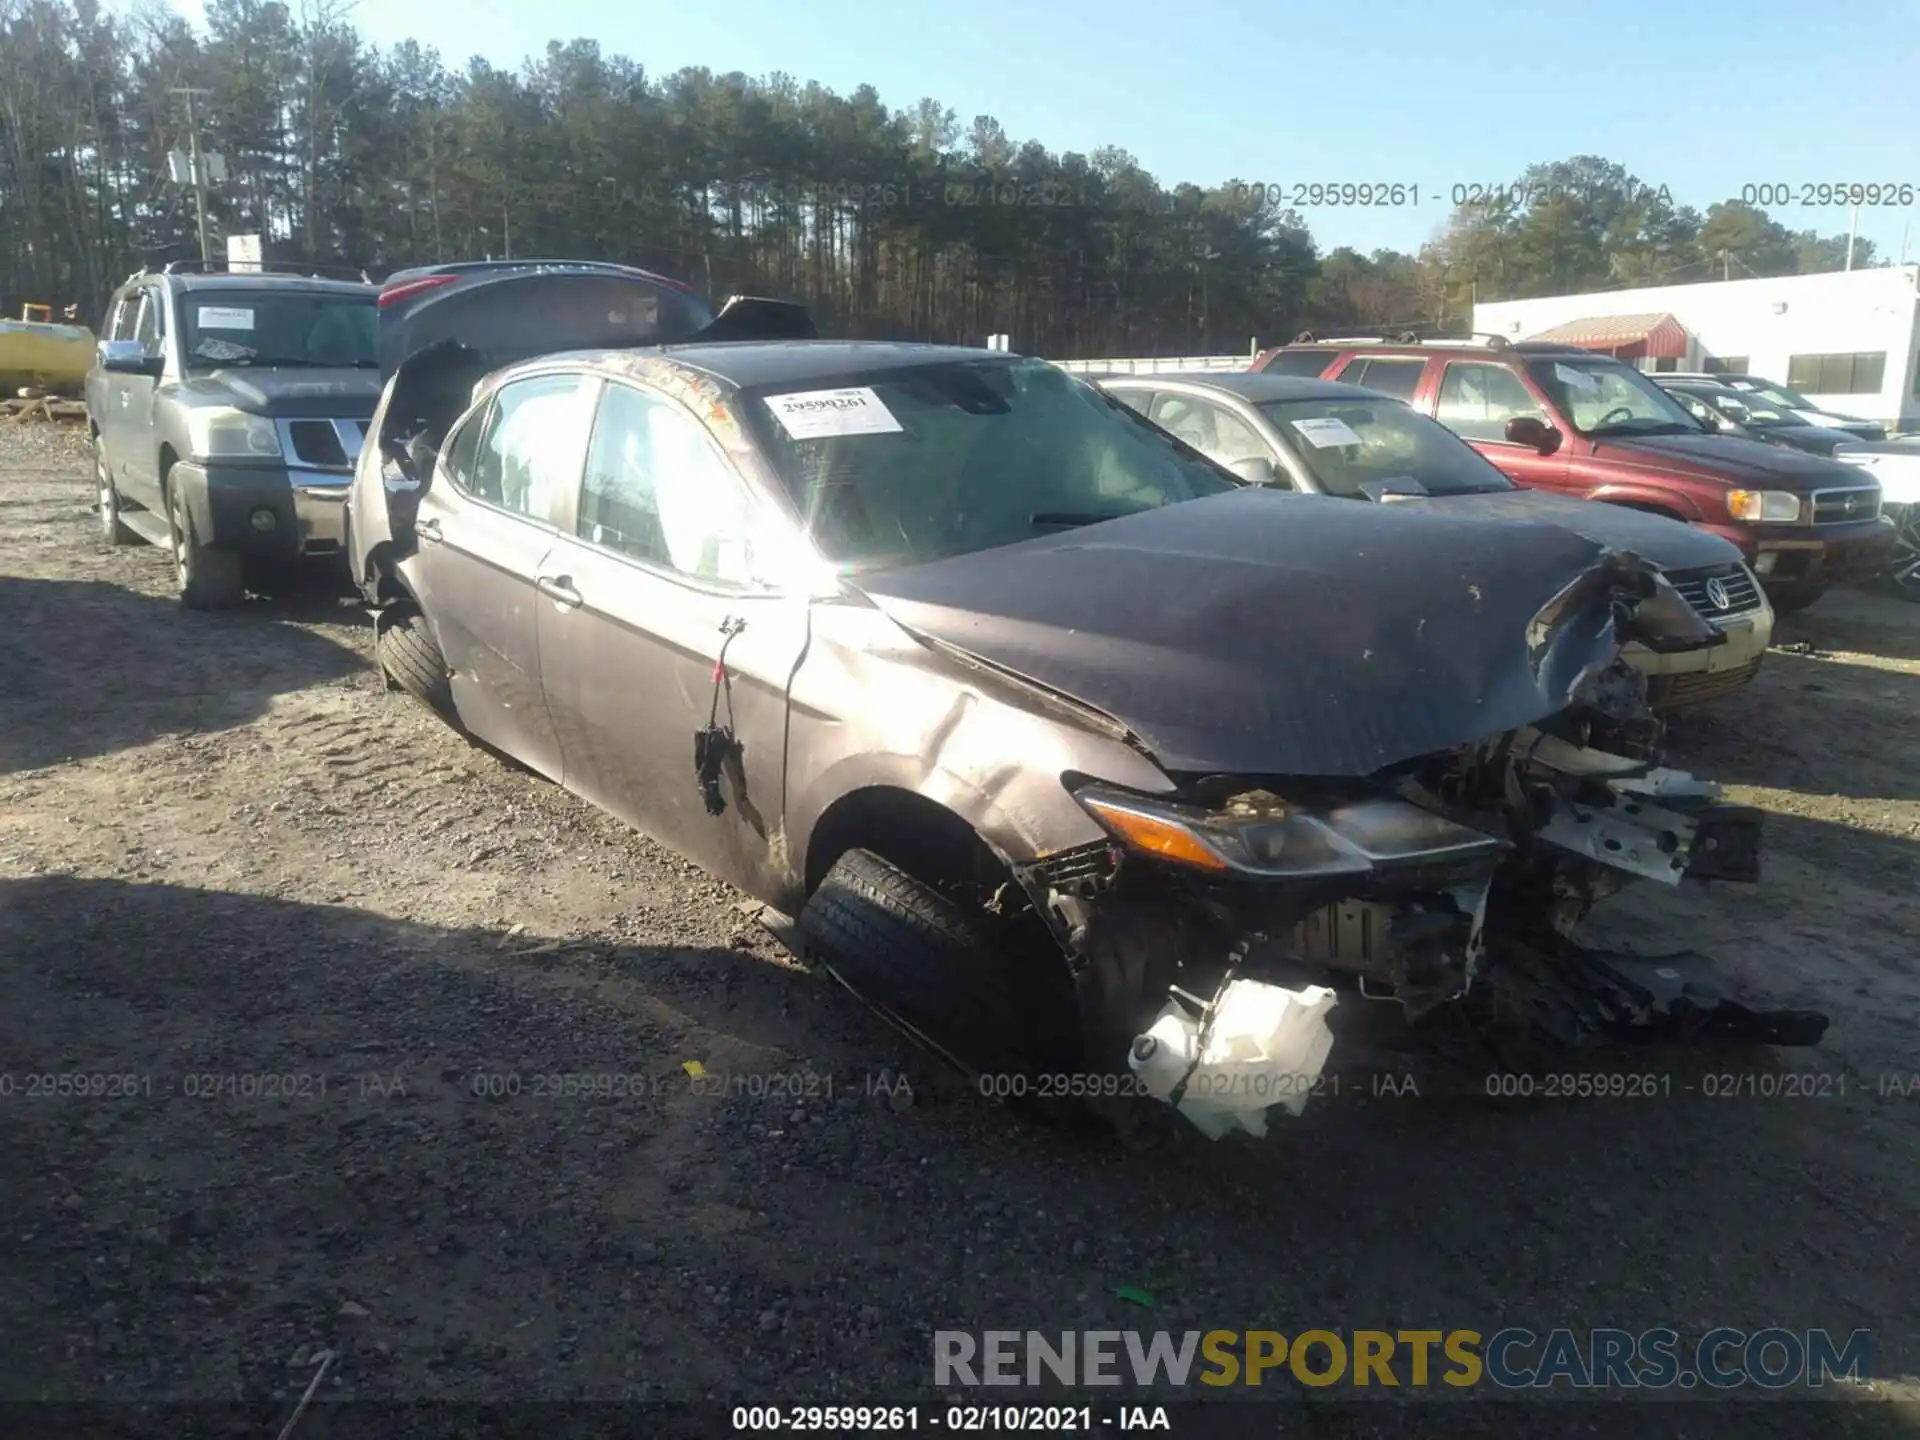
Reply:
x=1670, y=544
x=1265, y=633
x=291, y=394
x=1819, y=438
x=1740, y=462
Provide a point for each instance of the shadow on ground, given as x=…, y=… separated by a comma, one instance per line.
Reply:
x=147, y=668
x=480, y=1174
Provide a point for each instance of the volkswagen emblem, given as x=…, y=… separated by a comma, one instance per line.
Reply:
x=1717, y=594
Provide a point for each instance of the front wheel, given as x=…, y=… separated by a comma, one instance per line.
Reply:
x=208, y=578
x=1902, y=579
x=113, y=529
x=932, y=968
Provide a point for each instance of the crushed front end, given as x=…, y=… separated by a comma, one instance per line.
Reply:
x=1450, y=884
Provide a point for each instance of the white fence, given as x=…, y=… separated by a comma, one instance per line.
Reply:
x=1162, y=365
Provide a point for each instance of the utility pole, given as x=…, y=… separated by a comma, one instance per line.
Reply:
x=197, y=171
x=1853, y=226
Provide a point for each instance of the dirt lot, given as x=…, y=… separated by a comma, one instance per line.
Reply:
x=227, y=852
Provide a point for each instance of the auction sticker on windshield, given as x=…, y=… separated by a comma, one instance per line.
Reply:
x=816, y=414
x=223, y=317
x=1578, y=379
x=1324, y=433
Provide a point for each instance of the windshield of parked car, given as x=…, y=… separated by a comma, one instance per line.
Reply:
x=1348, y=444
x=1775, y=394
x=247, y=327
x=1602, y=399
x=907, y=466
x=1747, y=408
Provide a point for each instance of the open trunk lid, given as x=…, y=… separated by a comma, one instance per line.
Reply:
x=435, y=350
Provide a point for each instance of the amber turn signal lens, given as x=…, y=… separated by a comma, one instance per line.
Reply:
x=1154, y=836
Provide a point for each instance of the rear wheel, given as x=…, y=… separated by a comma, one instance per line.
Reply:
x=411, y=659
x=209, y=578
x=113, y=529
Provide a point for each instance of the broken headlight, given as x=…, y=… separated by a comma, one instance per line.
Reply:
x=1259, y=834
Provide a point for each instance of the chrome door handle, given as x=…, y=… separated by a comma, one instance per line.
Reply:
x=429, y=530
x=559, y=589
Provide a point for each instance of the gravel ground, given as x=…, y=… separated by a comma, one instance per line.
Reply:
x=228, y=852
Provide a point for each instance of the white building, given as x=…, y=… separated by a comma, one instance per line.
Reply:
x=1850, y=339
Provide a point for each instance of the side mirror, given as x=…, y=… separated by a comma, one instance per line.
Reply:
x=1534, y=433
x=129, y=357
x=1254, y=469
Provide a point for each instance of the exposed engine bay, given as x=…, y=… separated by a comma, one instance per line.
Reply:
x=1451, y=887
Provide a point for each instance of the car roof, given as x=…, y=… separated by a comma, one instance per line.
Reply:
x=749, y=364
x=1423, y=349
x=1253, y=387
x=464, y=269
x=262, y=280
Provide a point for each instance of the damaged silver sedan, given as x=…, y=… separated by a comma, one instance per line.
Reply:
x=1069, y=751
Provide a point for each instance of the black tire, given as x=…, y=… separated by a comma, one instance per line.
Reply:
x=1902, y=580
x=411, y=658
x=930, y=967
x=208, y=578
x=113, y=530
x=1792, y=602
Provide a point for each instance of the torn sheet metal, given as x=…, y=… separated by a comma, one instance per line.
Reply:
x=1263, y=632
x=1640, y=838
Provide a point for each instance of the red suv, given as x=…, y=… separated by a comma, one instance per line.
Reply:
x=1553, y=417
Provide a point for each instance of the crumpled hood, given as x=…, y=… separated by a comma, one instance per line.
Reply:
x=1266, y=633
x=291, y=394
x=1670, y=544
x=1737, y=461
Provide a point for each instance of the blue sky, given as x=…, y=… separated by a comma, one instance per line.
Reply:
x=1703, y=99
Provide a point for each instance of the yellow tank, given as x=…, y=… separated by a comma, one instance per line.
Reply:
x=43, y=355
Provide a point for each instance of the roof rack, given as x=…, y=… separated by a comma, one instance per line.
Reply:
x=262, y=267
x=1478, y=340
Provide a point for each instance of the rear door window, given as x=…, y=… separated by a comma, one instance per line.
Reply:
x=1477, y=401
x=535, y=442
x=1398, y=376
x=1307, y=363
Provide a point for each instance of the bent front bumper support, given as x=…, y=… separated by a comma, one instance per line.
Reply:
x=1573, y=995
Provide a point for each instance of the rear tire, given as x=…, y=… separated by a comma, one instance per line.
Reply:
x=113, y=530
x=411, y=658
x=209, y=578
x=933, y=969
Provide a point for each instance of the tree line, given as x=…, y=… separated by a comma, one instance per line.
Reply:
x=889, y=222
